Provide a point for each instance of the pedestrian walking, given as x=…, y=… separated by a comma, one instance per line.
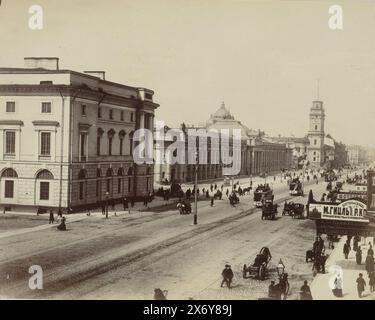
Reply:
x=227, y=275
x=212, y=201
x=125, y=203
x=51, y=217
x=346, y=249
x=103, y=208
x=337, y=290
x=358, y=256
x=361, y=284
x=372, y=281
x=370, y=251
x=369, y=264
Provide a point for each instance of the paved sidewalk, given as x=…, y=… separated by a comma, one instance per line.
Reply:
x=320, y=286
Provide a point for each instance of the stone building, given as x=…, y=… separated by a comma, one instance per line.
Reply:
x=259, y=155
x=67, y=137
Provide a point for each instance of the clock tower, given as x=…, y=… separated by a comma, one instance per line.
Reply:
x=315, y=135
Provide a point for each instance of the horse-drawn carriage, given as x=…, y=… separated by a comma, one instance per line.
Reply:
x=295, y=210
x=269, y=209
x=260, y=193
x=259, y=267
x=295, y=188
x=184, y=207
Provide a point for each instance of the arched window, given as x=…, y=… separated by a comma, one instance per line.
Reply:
x=109, y=172
x=98, y=185
x=120, y=174
x=82, y=175
x=9, y=173
x=109, y=175
x=121, y=135
x=45, y=175
x=130, y=171
x=44, y=186
x=110, y=135
x=98, y=140
x=131, y=134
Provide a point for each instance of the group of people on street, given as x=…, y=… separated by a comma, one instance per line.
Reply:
x=369, y=263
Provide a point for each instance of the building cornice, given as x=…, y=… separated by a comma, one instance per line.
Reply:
x=74, y=91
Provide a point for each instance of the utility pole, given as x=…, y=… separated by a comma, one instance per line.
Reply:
x=196, y=189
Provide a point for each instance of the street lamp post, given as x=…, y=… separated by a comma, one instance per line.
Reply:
x=106, y=204
x=196, y=190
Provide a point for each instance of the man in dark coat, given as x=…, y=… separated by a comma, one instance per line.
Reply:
x=370, y=251
x=361, y=284
x=51, y=217
x=358, y=255
x=369, y=263
x=125, y=203
x=346, y=249
x=227, y=275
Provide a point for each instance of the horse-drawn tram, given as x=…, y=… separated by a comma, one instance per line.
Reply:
x=269, y=209
x=260, y=193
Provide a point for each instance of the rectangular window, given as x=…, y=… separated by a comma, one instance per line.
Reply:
x=83, y=146
x=108, y=185
x=97, y=187
x=372, y=201
x=132, y=117
x=119, y=185
x=83, y=110
x=10, y=142
x=9, y=189
x=98, y=140
x=44, y=191
x=373, y=181
x=46, y=107
x=111, y=114
x=129, y=184
x=110, y=146
x=10, y=106
x=122, y=115
x=99, y=112
x=121, y=146
x=45, y=144
x=81, y=188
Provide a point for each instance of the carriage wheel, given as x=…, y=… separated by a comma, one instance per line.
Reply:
x=244, y=271
x=262, y=272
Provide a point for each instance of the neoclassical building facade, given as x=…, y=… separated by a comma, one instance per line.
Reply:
x=67, y=137
x=258, y=154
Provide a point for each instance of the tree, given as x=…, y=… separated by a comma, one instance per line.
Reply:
x=341, y=155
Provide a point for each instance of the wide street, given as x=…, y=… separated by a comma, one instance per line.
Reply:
x=128, y=256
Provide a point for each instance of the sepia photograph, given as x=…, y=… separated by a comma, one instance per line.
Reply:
x=187, y=150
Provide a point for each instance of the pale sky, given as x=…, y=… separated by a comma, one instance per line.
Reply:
x=263, y=58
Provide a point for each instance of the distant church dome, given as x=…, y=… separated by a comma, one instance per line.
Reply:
x=221, y=114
